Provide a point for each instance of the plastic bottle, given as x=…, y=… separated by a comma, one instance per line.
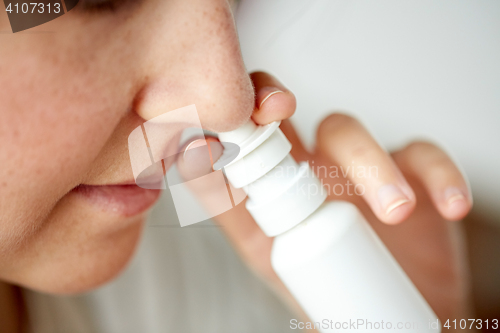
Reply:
x=326, y=254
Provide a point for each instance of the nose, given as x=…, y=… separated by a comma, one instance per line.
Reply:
x=192, y=56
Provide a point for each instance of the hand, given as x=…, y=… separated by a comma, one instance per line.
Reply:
x=409, y=199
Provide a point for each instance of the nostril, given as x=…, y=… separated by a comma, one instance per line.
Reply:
x=224, y=98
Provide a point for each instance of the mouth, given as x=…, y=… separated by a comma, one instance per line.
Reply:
x=124, y=200
x=134, y=197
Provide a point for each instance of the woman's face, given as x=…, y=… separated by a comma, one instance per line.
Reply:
x=72, y=91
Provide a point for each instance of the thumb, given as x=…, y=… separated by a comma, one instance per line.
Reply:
x=197, y=158
x=195, y=165
x=237, y=223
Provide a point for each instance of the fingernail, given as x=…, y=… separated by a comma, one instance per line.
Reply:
x=194, y=144
x=265, y=93
x=391, y=197
x=212, y=147
x=453, y=194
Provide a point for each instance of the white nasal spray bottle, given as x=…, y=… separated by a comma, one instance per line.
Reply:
x=325, y=253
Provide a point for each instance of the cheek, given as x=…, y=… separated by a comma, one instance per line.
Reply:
x=61, y=104
x=56, y=118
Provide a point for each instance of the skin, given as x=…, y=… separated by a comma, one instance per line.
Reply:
x=72, y=95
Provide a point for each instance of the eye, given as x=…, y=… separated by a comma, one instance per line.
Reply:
x=102, y=5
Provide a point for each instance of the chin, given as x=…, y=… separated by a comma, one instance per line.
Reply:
x=84, y=268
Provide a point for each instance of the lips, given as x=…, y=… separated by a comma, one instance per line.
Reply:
x=135, y=197
x=123, y=200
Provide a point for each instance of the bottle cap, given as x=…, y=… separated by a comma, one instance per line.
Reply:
x=281, y=192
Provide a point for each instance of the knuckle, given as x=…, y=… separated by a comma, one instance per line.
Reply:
x=439, y=168
x=431, y=156
x=422, y=146
x=363, y=152
x=336, y=121
x=258, y=74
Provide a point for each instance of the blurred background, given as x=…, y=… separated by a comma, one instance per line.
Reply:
x=406, y=69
